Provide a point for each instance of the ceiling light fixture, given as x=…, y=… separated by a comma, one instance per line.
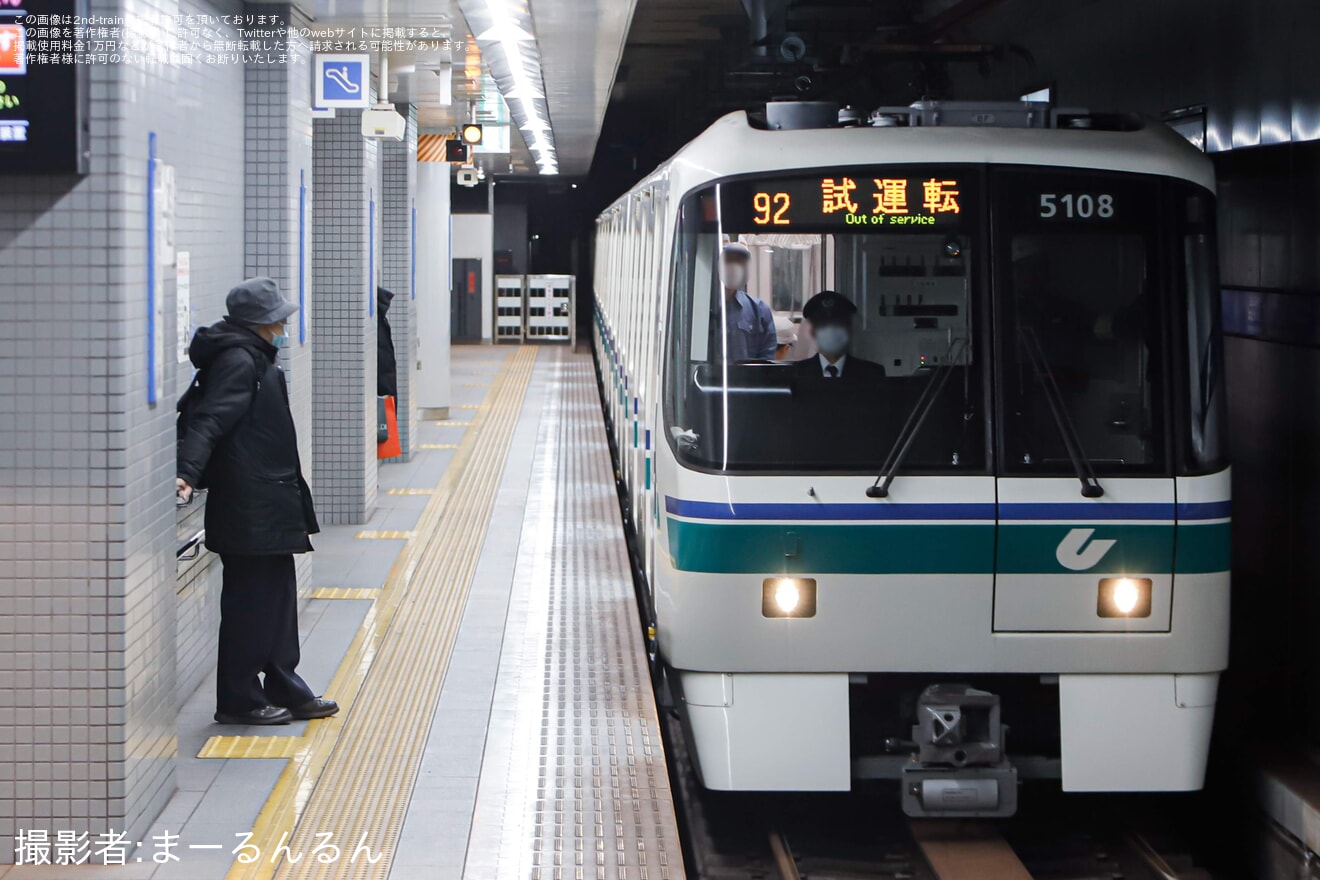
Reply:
x=505, y=32
x=507, y=24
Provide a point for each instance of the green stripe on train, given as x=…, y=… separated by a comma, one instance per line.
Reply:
x=960, y=548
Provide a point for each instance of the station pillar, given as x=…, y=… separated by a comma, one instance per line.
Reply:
x=277, y=213
x=399, y=270
x=346, y=262
x=431, y=365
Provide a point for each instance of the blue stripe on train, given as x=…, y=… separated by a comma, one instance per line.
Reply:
x=933, y=511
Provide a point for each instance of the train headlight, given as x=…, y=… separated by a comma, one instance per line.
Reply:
x=1124, y=597
x=788, y=597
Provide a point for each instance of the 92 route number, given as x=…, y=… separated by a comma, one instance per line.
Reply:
x=1082, y=206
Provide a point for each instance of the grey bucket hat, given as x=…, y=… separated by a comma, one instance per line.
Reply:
x=257, y=301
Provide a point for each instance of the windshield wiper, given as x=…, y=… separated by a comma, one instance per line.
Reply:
x=1091, y=487
x=915, y=419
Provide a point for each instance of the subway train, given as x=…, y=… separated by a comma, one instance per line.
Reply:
x=1002, y=555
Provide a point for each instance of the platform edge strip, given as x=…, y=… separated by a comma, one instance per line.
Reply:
x=369, y=777
x=288, y=802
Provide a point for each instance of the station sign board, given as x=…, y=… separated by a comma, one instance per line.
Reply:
x=342, y=81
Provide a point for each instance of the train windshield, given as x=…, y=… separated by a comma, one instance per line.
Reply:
x=1081, y=323
x=821, y=319
x=885, y=263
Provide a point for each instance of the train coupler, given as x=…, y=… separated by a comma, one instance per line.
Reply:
x=960, y=767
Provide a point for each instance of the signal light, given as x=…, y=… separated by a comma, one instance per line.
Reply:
x=471, y=133
x=457, y=151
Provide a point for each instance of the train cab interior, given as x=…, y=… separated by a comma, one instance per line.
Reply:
x=913, y=297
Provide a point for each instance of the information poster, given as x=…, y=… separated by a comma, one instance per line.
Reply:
x=183, y=303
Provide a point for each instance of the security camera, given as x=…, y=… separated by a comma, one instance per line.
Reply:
x=468, y=176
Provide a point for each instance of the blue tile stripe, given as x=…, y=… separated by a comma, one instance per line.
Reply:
x=152, y=390
x=1286, y=316
x=302, y=256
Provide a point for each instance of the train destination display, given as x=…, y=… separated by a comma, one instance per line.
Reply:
x=847, y=198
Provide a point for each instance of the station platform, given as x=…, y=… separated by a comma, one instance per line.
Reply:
x=481, y=635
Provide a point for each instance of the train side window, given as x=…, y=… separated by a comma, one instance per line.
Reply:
x=1206, y=445
x=693, y=269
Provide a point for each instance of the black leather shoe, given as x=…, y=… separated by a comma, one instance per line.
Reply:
x=317, y=708
x=264, y=715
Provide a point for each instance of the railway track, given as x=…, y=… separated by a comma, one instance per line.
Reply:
x=865, y=836
x=948, y=850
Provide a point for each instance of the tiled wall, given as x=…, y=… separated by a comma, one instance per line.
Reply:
x=346, y=179
x=102, y=633
x=1269, y=226
x=399, y=185
x=87, y=519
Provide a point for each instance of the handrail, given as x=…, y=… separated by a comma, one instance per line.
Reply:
x=192, y=548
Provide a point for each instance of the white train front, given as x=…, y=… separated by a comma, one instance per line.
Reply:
x=1023, y=523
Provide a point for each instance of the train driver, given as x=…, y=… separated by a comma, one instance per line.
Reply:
x=749, y=325
x=828, y=316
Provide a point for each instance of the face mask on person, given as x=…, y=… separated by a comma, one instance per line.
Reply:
x=832, y=340
x=280, y=340
x=733, y=275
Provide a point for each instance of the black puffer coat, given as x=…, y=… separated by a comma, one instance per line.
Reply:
x=240, y=434
x=387, y=371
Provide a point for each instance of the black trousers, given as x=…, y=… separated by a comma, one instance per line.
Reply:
x=258, y=634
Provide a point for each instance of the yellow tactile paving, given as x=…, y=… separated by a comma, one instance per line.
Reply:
x=252, y=747
x=446, y=423
x=356, y=772
x=414, y=491
x=344, y=593
x=471, y=405
x=376, y=535
x=437, y=445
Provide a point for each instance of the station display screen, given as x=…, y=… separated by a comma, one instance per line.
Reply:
x=42, y=87
x=895, y=197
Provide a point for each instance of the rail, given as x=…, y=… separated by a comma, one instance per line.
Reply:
x=192, y=548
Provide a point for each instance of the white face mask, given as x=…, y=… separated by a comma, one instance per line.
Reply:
x=733, y=275
x=832, y=340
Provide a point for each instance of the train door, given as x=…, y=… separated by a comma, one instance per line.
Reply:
x=662, y=222
x=643, y=380
x=465, y=304
x=1086, y=504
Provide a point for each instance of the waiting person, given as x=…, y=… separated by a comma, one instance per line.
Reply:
x=829, y=316
x=387, y=370
x=749, y=325
x=237, y=434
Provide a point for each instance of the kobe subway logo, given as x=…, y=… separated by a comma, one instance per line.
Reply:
x=1075, y=554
